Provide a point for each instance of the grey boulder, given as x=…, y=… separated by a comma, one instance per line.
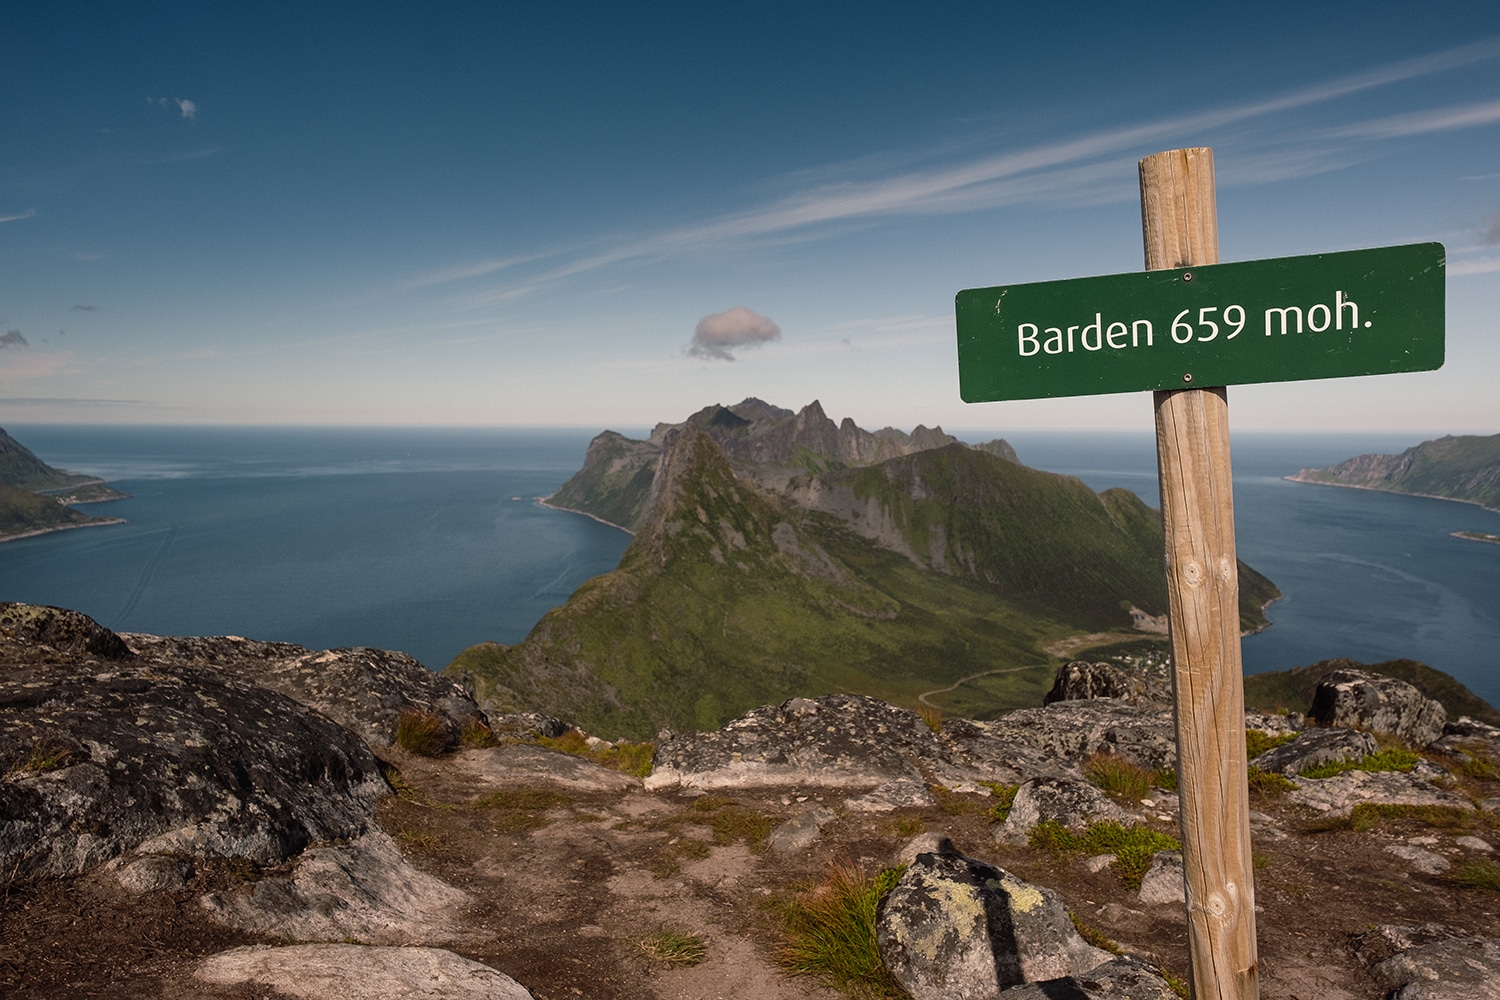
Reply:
x=353, y=972
x=1314, y=747
x=1121, y=979
x=1072, y=802
x=955, y=928
x=1358, y=699
x=1432, y=962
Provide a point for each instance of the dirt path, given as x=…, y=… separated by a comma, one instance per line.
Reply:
x=972, y=677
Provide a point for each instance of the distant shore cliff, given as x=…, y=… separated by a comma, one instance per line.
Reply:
x=1463, y=468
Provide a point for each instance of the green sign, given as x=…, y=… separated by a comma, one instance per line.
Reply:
x=1360, y=312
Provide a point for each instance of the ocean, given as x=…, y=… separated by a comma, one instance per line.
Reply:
x=428, y=540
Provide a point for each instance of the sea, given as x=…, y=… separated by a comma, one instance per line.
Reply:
x=430, y=540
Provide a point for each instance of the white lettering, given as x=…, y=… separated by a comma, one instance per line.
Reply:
x=1070, y=338
x=1098, y=327
x=1113, y=333
x=1135, y=332
x=1054, y=343
x=1312, y=323
x=1294, y=310
x=1339, y=305
x=1024, y=340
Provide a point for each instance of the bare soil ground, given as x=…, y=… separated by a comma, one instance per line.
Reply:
x=566, y=887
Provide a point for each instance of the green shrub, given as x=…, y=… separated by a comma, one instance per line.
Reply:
x=1269, y=783
x=829, y=932
x=1257, y=742
x=1390, y=759
x=1005, y=796
x=476, y=735
x=421, y=732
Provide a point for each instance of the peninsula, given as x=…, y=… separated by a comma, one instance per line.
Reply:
x=1463, y=468
x=36, y=499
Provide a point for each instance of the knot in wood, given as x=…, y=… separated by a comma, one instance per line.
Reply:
x=1192, y=572
x=1226, y=569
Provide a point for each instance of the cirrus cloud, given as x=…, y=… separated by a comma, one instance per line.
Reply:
x=719, y=334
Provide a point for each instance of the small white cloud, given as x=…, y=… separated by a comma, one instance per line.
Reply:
x=188, y=108
x=719, y=334
x=30, y=213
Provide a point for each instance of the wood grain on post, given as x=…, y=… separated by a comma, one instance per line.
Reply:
x=1179, y=219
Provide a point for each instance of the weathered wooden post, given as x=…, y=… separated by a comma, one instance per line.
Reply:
x=1179, y=222
x=1186, y=322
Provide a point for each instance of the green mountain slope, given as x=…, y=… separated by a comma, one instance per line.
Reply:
x=1458, y=468
x=732, y=596
x=23, y=512
x=20, y=467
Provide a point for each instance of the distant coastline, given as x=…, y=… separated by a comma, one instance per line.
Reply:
x=1297, y=478
x=542, y=502
x=1477, y=536
x=104, y=522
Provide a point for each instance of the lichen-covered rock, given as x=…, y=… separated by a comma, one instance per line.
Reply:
x=838, y=741
x=100, y=757
x=62, y=630
x=1073, y=730
x=1073, y=802
x=526, y=765
x=955, y=928
x=1081, y=681
x=363, y=690
x=362, y=892
x=1314, y=747
x=800, y=830
x=1432, y=962
x=1338, y=795
x=355, y=972
x=1124, y=978
x=1356, y=699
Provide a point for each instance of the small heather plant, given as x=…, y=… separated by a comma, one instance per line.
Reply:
x=421, y=732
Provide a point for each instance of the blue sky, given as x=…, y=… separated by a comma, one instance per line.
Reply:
x=502, y=214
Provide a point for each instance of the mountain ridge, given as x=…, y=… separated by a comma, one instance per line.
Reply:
x=941, y=569
x=1464, y=468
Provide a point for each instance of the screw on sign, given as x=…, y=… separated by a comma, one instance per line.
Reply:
x=1188, y=320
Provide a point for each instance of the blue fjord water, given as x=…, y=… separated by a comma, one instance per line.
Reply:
x=414, y=540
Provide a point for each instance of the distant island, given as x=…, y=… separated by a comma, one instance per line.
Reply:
x=1478, y=536
x=779, y=553
x=36, y=499
x=1463, y=468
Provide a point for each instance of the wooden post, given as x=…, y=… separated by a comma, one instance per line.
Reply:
x=1180, y=223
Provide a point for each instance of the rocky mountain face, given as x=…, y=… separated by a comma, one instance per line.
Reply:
x=219, y=817
x=1457, y=468
x=766, y=444
x=754, y=579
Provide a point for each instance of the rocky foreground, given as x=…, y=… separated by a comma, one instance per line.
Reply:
x=228, y=818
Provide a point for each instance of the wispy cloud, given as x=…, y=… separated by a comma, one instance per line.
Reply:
x=1084, y=169
x=87, y=309
x=30, y=213
x=1447, y=119
x=1484, y=265
x=13, y=338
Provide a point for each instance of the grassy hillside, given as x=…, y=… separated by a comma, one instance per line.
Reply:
x=22, y=511
x=19, y=467
x=731, y=597
x=1459, y=468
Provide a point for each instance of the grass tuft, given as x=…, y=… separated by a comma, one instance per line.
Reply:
x=674, y=948
x=1258, y=742
x=932, y=715
x=629, y=758
x=1269, y=783
x=421, y=732
x=48, y=757
x=1120, y=778
x=477, y=736
x=419, y=840
x=1477, y=875
x=1132, y=846
x=1165, y=779
x=1366, y=816
x=829, y=932
x=1093, y=935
